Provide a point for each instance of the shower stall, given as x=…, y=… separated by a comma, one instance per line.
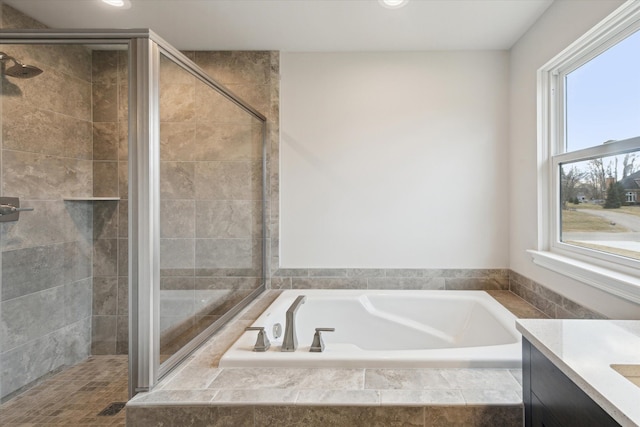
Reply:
x=133, y=203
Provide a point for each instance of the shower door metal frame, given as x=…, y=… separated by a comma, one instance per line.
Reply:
x=144, y=48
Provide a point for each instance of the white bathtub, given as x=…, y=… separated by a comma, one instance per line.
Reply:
x=387, y=329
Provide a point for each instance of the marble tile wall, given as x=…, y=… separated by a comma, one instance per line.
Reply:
x=371, y=278
x=211, y=189
x=547, y=301
x=110, y=223
x=45, y=257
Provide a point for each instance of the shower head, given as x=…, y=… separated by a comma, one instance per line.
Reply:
x=22, y=71
x=18, y=69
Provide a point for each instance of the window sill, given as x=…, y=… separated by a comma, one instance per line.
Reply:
x=620, y=284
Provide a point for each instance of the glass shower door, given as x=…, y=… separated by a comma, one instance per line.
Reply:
x=211, y=206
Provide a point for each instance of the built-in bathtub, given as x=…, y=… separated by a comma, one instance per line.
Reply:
x=386, y=329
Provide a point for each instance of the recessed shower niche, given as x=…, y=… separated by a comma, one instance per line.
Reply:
x=147, y=181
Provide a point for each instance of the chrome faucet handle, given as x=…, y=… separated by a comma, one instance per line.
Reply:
x=262, y=342
x=317, y=346
x=10, y=209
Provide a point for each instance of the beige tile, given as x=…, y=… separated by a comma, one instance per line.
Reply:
x=175, y=416
x=193, y=377
x=104, y=66
x=481, y=416
x=175, y=397
x=517, y=305
x=405, y=283
x=477, y=283
x=225, y=181
x=259, y=397
x=258, y=96
x=406, y=379
x=224, y=219
x=105, y=179
x=177, y=180
x=480, y=378
x=177, y=102
x=212, y=107
x=37, y=176
x=421, y=397
x=227, y=141
x=492, y=397
x=178, y=219
x=123, y=179
x=328, y=283
x=105, y=102
x=236, y=67
x=29, y=128
x=338, y=416
x=172, y=73
x=105, y=141
x=178, y=142
x=338, y=397
x=260, y=378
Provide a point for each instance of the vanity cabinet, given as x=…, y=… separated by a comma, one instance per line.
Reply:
x=551, y=399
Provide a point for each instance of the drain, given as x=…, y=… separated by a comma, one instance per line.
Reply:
x=112, y=409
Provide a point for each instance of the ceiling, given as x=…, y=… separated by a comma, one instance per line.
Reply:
x=305, y=25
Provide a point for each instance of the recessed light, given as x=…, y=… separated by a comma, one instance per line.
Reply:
x=121, y=4
x=393, y=4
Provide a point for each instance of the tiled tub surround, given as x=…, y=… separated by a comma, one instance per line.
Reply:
x=542, y=297
x=549, y=302
x=200, y=393
x=397, y=278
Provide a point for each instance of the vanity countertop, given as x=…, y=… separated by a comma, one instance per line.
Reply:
x=584, y=350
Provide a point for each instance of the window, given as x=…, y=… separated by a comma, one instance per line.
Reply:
x=589, y=124
x=631, y=197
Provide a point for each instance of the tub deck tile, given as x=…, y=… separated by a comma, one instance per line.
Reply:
x=193, y=377
x=177, y=397
x=262, y=397
x=338, y=397
x=492, y=397
x=473, y=379
x=421, y=397
x=259, y=378
x=406, y=379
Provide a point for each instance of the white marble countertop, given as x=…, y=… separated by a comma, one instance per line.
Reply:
x=584, y=350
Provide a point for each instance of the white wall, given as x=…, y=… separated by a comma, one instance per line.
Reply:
x=562, y=23
x=394, y=160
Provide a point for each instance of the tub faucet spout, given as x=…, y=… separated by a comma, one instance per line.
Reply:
x=290, y=340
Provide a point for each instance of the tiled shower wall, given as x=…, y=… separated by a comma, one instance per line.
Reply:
x=45, y=309
x=110, y=218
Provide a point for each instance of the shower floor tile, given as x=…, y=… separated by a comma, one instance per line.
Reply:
x=74, y=396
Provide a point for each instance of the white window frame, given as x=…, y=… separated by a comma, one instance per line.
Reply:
x=631, y=197
x=614, y=274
